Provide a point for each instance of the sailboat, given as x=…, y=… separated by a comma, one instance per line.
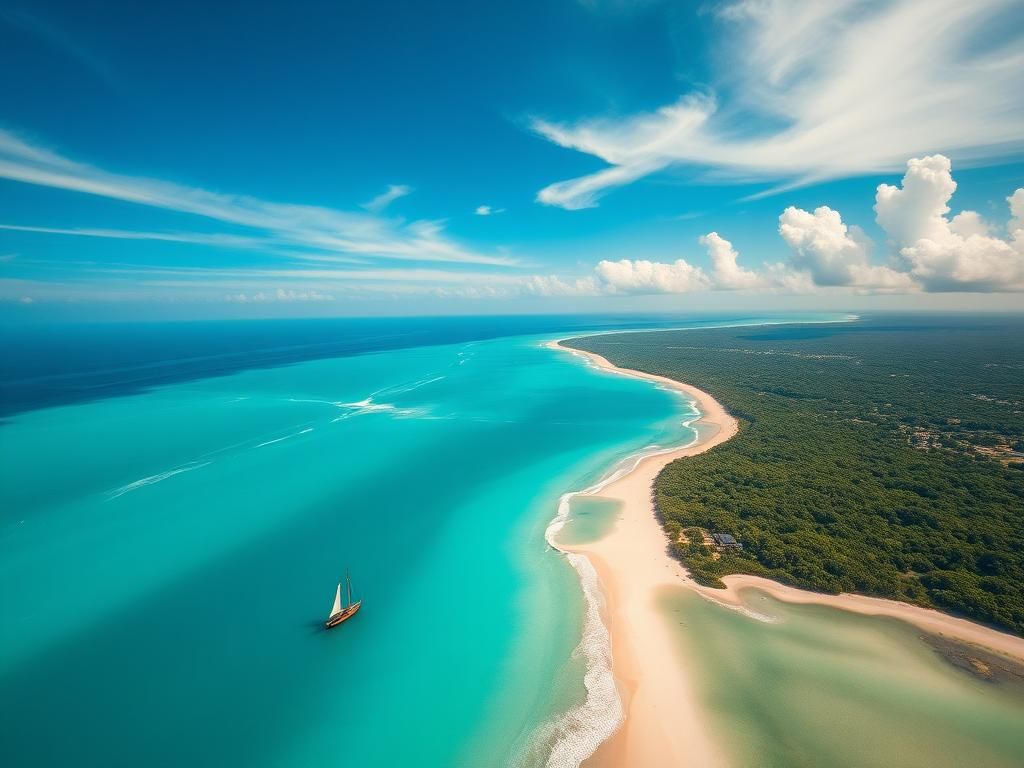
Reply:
x=338, y=612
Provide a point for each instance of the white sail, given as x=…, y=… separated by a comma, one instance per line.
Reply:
x=337, y=601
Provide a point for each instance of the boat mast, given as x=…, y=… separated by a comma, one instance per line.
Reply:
x=348, y=582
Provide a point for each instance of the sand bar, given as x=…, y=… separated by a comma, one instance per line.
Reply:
x=664, y=723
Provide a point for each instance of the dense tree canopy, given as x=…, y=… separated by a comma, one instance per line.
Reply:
x=877, y=457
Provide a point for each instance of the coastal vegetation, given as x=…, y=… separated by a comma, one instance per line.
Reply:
x=880, y=457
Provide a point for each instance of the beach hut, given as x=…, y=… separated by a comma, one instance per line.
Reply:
x=726, y=541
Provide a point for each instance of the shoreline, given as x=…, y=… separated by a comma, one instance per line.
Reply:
x=663, y=722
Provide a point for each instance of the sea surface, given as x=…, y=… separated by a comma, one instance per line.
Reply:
x=178, y=502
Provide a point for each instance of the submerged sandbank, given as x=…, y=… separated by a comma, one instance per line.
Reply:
x=663, y=720
x=925, y=619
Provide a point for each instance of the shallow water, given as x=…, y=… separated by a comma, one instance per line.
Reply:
x=590, y=519
x=801, y=685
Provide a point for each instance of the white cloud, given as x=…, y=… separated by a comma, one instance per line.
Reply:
x=946, y=254
x=281, y=224
x=388, y=196
x=726, y=271
x=650, y=277
x=552, y=285
x=195, y=238
x=967, y=223
x=644, y=277
x=486, y=210
x=1016, y=203
x=626, y=276
x=281, y=294
x=932, y=252
x=822, y=90
x=834, y=254
x=784, y=279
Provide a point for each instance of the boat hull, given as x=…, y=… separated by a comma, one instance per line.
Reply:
x=343, y=615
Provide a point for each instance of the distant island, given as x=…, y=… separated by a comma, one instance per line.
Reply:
x=883, y=457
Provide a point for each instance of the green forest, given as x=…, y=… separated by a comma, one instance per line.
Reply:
x=881, y=456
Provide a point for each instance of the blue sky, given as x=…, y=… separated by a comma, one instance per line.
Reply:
x=239, y=159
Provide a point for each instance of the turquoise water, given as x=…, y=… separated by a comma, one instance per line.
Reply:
x=591, y=518
x=167, y=558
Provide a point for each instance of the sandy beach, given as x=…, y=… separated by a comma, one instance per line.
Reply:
x=664, y=723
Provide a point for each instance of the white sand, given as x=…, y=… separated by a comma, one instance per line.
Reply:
x=664, y=724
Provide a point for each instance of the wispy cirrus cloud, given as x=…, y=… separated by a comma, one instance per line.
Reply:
x=276, y=224
x=388, y=196
x=814, y=91
x=410, y=275
x=132, y=283
x=194, y=238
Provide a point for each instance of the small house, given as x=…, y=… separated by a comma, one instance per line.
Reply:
x=726, y=541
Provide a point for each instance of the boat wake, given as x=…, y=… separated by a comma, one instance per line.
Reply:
x=156, y=478
x=305, y=431
x=366, y=406
x=369, y=405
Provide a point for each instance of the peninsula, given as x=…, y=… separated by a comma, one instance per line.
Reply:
x=639, y=558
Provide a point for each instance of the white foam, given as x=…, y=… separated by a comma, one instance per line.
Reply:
x=271, y=442
x=577, y=733
x=368, y=406
x=284, y=437
x=155, y=478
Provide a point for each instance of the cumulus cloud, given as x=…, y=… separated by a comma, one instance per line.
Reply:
x=834, y=254
x=1016, y=203
x=625, y=276
x=930, y=250
x=649, y=277
x=814, y=91
x=727, y=273
x=486, y=210
x=945, y=254
x=645, y=277
x=553, y=285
